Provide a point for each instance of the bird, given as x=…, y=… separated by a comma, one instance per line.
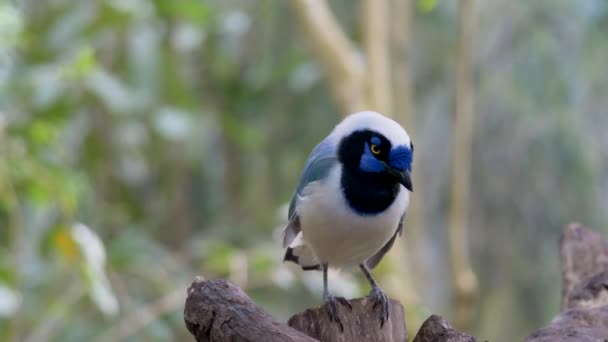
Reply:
x=350, y=203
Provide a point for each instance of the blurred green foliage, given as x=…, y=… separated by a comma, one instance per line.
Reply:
x=144, y=142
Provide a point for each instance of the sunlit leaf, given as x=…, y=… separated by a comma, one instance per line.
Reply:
x=65, y=245
x=136, y=8
x=83, y=64
x=195, y=11
x=241, y=133
x=426, y=6
x=100, y=290
x=42, y=132
x=7, y=271
x=93, y=267
x=37, y=192
x=218, y=257
x=262, y=262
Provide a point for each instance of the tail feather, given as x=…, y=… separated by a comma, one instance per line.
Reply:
x=299, y=253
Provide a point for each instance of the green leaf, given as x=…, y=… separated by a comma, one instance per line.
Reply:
x=195, y=11
x=427, y=6
x=42, y=132
x=84, y=62
x=218, y=258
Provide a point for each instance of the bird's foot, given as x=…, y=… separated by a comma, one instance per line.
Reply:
x=380, y=299
x=331, y=302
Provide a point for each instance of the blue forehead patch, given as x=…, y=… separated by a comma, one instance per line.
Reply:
x=376, y=141
x=401, y=158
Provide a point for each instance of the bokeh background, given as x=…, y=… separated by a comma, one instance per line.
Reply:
x=144, y=142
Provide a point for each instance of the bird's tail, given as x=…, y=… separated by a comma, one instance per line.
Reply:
x=300, y=253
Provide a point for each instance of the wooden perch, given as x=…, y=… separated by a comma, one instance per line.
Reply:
x=217, y=310
x=583, y=253
x=584, y=308
x=362, y=323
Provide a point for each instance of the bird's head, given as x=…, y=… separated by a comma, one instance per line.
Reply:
x=377, y=146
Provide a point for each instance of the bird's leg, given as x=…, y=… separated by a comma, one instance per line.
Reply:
x=377, y=295
x=332, y=302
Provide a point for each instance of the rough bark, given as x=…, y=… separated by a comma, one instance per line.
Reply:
x=584, y=309
x=583, y=253
x=362, y=323
x=437, y=329
x=575, y=325
x=217, y=310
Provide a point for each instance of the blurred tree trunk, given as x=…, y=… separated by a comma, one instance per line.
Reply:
x=365, y=86
x=465, y=281
x=376, y=38
x=400, y=19
x=336, y=53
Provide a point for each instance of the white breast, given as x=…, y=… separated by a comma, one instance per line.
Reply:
x=338, y=235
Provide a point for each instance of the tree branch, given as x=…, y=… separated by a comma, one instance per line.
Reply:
x=376, y=41
x=217, y=310
x=336, y=53
x=408, y=250
x=437, y=329
x=583, y=254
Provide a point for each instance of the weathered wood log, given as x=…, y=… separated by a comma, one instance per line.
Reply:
x=362, y=323
x=584, y=303
x=217, y=310
x=575, y=325
x=437, y=329
x=583, y=253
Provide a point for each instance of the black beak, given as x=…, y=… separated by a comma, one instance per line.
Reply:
x=402, y=177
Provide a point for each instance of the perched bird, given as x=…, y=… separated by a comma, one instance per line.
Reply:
x=350, y=202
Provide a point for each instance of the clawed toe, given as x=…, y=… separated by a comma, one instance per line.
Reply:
x=381, y=300
x=344, y=302
x=331, y=303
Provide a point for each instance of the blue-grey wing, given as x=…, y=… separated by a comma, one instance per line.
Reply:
x=319, y=163
x=375, y=259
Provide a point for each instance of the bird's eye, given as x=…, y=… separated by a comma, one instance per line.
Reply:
x=375, y=149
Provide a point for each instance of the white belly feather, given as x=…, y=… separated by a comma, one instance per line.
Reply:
x=336, y=234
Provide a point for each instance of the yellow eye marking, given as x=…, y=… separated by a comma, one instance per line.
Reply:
x=375, y=149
